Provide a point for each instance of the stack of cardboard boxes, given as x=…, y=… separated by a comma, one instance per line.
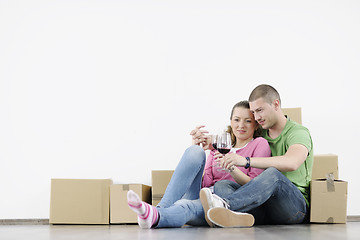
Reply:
x=84, y=201
x=328, y=194
x=328, y=199
x=98, y=201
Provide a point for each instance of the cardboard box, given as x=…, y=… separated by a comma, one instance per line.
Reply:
x=160, y=180
x=293, y=113
x=328, y=201
x=119, y=209
x=155, y=201
x=325, y=164
x=79, y=201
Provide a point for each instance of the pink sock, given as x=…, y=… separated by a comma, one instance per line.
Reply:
x=147, y=214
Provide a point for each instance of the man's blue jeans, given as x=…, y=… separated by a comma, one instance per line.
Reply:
x=181, y=204
x=270, y=197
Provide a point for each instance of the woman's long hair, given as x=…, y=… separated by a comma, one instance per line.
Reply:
x=243, y=104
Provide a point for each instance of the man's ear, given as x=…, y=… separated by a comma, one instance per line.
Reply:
x=276, y=104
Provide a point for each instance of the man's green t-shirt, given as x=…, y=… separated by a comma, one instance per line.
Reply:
x=294, y=133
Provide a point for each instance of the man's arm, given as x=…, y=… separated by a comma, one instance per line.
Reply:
x=293, y=158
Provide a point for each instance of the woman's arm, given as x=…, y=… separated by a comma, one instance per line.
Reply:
x=240, y=177
x=208, y=177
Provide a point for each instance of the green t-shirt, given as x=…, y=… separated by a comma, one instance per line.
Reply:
x=294, y=133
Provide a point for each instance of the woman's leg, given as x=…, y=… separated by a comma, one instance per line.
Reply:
x=147, y=214
x=187, y=177
x=182, y=212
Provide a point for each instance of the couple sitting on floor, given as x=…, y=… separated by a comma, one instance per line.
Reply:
x=267, y=175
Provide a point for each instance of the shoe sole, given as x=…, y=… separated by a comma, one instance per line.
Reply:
x=205, y=203
x=223, y=217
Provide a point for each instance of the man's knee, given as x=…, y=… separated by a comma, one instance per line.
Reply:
x=271, y=172
x=269, y=176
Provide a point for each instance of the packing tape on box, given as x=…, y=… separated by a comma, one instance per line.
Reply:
x=330, y=182
x=126, y=187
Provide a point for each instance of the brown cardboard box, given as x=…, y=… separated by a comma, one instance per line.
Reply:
x=328, y=201
x=80, y=201
x=119, y=209
x=160, y=180
x=155, y=201
x=325, y=164
x=293, y=113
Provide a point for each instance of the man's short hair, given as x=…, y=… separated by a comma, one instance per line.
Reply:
x=267, y=92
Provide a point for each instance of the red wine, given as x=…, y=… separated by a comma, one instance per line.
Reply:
x=214, y=146
x=223, y=150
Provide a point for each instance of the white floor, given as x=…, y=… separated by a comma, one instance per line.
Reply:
x=351, y=230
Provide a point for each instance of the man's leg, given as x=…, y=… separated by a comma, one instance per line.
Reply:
x=283, y=202
x=225, y=188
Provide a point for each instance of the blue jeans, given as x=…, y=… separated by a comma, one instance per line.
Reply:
x=181, y=204
x=270, y=197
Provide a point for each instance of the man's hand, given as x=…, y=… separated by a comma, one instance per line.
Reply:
x=232, y=159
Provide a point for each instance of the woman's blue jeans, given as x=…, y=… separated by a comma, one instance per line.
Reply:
x=270, y=197
x=181, y=204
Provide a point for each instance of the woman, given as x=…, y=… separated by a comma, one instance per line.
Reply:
x=181, y=204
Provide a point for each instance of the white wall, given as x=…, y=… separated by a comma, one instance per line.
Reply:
x=111, y=89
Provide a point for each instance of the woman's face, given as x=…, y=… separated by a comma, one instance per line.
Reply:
x=243, y=124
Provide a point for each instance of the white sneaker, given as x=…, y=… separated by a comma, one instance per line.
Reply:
x=223, y=217
x=209, y=201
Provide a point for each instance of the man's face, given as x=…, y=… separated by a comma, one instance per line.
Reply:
x=264, y=113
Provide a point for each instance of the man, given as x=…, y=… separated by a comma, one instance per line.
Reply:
x=280, y=195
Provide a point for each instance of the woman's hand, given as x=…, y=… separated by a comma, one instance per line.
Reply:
x=199, y=137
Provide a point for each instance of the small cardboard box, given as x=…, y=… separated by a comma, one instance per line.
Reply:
x=119, y=209
x=325, y=164
x=328, y=201
x=79, y=201
x=160, y=180
x=293, y=113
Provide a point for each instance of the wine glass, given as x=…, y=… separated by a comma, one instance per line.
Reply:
x=214, y=141
x=224, y=145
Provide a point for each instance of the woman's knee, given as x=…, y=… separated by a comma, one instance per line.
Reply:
x=195, y=153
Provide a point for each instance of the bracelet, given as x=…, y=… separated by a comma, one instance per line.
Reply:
x=247, y=163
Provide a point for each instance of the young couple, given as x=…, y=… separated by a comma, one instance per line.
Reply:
x=267, y=181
